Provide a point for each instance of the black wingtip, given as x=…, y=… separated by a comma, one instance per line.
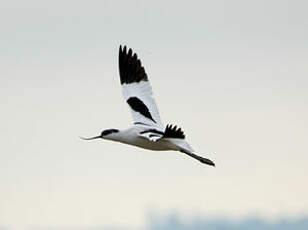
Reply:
x=130, y=52
x=130, y=67
x=174, y=132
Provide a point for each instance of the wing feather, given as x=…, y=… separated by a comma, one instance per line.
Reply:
x=137, y=90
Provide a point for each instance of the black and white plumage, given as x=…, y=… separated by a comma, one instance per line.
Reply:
x=147, y=131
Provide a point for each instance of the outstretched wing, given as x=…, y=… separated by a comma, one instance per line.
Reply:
x=137, y=89
x=170, y=132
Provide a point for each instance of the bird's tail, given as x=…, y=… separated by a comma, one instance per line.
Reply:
x=199, y=158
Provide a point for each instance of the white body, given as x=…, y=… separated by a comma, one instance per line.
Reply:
x=132, y=136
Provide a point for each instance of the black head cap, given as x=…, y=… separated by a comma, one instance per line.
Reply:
x=104, y=133
x=109, y=131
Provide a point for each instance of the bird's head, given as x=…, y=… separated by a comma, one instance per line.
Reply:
x=106, y=134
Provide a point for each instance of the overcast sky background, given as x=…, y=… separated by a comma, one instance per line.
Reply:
x=232, y=74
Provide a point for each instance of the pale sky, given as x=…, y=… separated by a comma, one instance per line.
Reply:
x=232, y=74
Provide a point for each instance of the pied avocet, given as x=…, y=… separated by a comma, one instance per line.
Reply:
x=147, y=131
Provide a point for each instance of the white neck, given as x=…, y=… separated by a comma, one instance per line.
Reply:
x=118, y=136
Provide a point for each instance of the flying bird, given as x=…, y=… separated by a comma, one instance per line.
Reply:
x=147, y=131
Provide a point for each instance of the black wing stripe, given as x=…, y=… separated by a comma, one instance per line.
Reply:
x=154, y=135
x=152, y=131
x=170, y=132
x=140, y=123
x=173, y=132
x=137, y=105
x=130, y=67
